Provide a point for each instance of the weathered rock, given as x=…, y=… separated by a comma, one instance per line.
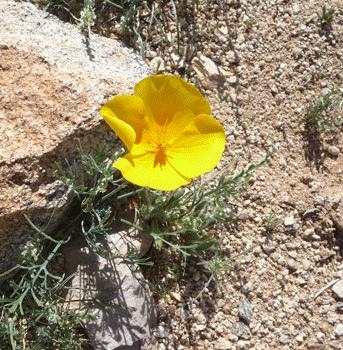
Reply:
x=241, y=330
x=126, y=311
x=53, y=82
x=245, y=310
x=208, y=73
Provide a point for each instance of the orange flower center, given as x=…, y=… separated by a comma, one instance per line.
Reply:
x=161, y=156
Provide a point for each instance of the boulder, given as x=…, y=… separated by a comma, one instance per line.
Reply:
x=54, y=80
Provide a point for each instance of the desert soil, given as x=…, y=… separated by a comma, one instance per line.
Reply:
x=269, y=75
x=272, y=71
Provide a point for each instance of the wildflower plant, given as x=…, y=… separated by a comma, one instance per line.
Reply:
x=171, y=139
x=326, y=111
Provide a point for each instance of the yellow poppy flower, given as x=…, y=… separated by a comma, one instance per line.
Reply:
x=168, y=131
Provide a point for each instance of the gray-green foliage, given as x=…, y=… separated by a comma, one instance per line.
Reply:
x=31, y=315
x=271, y=221
x=30, y=299
x=327, y=110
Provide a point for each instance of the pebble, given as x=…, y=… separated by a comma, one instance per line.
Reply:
x=232, y=80
x=232, y=57
x=283, y=339
x=157, y=64
x=310, y=213
x=275, y=256
x=337, y=290
x=241, y=330
x=324, y=309
x=162, y=332
x=319, y=200
x=3, y=46
x=306, y=264
x=245, y=310
x=289, y=221
x=325, y=91
x=268, y=248
x=339, y=330
x=222, y=344
x=300, y=338
x=296, y=9
x=242, y=215
x=308, y=233
x=281, y=261
x=333, y=150
x=340, y=306
x=292, y=264
x=297, y=51
x=216, y=58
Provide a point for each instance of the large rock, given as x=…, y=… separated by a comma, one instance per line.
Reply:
x=111, y=290
x=53, y=82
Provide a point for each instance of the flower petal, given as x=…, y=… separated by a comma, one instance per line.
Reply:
x=168, y=99
x=143, y=171
x=199, y=147
x=125, y=115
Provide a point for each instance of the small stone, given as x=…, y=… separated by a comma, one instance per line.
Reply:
x=241, y=344
x=319, y=200
x=242, y=215
x=281, y=261
x=275, y=256
x=162, y=332
x=269, y=248
x=324, y=309
x=220, y=329
x=340, y=306
x=306, y=264
x=150, y=54
x=308, y=233
x=196, y=276
x=245, y=310
x=232, y=57
x=232, y=80
x=292, y=264
x=325, y=91
x=247, y=288
x=333, y=150
x=177, y=61
x=339, y=330
x=241, y=330
x=300, y=338
x=297, y=51
x=176, y=296
x=216, y=58
x=283, y=339
x=3, y=46
x=337, y=290
x=289, y=221
x=181, y=312
x=157, y=64
x=310, y=213
x=296, y=9
x=222, y=344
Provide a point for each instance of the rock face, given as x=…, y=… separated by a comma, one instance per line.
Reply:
x=53, y=81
